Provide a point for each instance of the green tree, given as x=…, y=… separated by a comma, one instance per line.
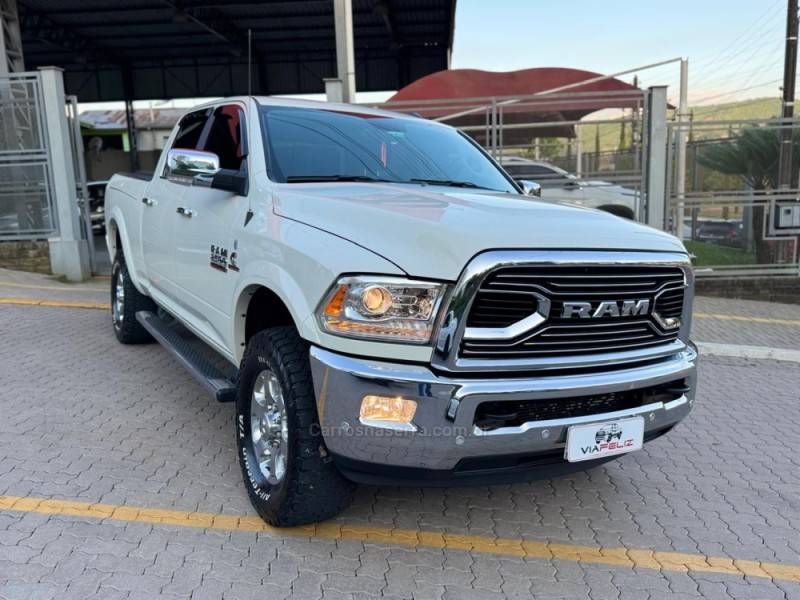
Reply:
x=752, y=154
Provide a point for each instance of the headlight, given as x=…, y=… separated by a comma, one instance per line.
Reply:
x=382, y=308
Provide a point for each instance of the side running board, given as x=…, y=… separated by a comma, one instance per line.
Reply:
x=188, y=350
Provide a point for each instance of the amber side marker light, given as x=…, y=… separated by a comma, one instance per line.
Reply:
x=336, y=304
x=389, y=412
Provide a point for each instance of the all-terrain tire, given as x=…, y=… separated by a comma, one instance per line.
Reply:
x=311, y=488
x=123, y=315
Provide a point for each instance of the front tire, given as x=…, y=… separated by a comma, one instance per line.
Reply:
x=126, y=301
x=289, y=476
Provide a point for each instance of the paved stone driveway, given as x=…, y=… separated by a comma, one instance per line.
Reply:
x=84, y=418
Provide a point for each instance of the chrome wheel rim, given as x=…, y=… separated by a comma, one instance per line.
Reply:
x=118, y=306
x=269, y=428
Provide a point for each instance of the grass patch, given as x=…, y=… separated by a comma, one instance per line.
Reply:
x=708, y=255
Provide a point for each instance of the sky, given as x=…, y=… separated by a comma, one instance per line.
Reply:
x=730, y=44
x=734, y=47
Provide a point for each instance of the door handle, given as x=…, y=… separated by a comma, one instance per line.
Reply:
x=148, y=202
x=186, y=212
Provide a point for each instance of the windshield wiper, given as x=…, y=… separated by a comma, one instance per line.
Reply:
x=451, y=183
x=313, y=178
x=367, y=178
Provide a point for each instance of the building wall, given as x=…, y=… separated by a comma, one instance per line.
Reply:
x=28, y=255
x=103, y=164
x=152, y=139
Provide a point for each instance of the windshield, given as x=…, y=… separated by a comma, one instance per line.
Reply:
x=327, y=145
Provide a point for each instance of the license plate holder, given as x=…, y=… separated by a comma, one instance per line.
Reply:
x=604, y=438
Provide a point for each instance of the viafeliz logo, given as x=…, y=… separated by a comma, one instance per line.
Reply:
x=608, y=433
x=608, y=437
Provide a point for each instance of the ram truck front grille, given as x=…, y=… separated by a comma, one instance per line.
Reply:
x=644, y=305
x=498, y=414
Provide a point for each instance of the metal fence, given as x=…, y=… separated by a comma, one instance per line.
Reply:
x=79, y=167
x=545, y=137
x=26, y=200
x=592, y=149
x=727, y=206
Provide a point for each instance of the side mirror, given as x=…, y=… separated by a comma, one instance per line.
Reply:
x=572, y=184
x=203, y=169
x=189, y=163
x=530, y=188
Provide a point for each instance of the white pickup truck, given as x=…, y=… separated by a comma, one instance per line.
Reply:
x=559, y=185
x=384, y=304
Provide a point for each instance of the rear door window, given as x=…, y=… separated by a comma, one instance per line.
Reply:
x=190, y=129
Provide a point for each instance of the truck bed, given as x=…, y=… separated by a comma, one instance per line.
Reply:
x=143, y=175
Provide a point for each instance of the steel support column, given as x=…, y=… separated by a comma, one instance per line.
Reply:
x=786, y=178
x=130, y=122
x=69, y=252
x=680, y=147
x=345, y=56
x=680, y=140
x=11, y=60
x=656, y=159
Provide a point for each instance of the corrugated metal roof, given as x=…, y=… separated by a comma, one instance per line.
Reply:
x=196, y=48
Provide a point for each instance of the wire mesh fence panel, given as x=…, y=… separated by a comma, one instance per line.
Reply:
x=21, y=126
x=725, y=209
x=26, y=201
x=25, y=209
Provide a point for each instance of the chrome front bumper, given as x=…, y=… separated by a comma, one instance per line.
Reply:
x=445, y=432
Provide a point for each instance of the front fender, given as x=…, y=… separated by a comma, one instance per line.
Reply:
x=117, y=225
x=299, y=263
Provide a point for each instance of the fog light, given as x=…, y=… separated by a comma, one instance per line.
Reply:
x=391, y=412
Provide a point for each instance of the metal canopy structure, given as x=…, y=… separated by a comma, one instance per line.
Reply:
x=147, y=49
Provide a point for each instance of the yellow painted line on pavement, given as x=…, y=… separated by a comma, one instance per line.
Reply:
x=63, y=288
x=54, y=303
x=624, y=557
x=767, y=320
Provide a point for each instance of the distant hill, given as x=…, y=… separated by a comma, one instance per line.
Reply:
x=756, y=108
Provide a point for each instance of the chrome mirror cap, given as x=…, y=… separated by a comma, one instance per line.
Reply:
x=530, y=188
x=188, y=163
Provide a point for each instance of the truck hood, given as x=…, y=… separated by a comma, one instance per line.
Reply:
x=433, y=231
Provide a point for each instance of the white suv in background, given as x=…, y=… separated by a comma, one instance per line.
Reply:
x=559, y=185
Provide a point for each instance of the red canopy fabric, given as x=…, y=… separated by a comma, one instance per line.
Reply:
x=474, y=83
x=462, y=90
